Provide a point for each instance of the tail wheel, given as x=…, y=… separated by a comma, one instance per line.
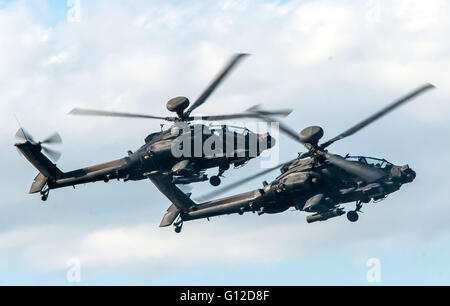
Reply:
x=44, y=194
x=352, y=216
x=178, y=226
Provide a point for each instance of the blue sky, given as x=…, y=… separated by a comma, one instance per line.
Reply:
x=48, y=12
x=333, y=62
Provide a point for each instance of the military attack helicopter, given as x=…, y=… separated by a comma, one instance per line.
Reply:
x=156, y=156
x=316, y=182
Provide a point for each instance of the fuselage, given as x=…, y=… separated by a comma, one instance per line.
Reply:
x=180, y=152
x=309, y=185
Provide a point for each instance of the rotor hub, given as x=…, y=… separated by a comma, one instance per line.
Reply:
x=311, y=135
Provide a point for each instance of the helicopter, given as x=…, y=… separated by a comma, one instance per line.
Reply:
x=316, y=182
x=156, y=156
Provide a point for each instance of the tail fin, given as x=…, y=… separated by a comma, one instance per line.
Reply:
x=169, y=218
x=47, y=169
x=39, y=183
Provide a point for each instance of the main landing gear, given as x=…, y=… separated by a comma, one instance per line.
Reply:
x=353, y=215
x=215, y=180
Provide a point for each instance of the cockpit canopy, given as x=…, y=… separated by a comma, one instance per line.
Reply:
x=151, y=137
x=180, y=128
x=381, y=163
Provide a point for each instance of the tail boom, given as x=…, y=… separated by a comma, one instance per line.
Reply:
x=53, y=178
x=237, y=204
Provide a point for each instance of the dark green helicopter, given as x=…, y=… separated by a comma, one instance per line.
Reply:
x=156, y=156
x=316, y=182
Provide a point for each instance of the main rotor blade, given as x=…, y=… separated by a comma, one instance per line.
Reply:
x=380, y=114
x=52, y=154
x=366, y=173
x=205, y=95
x=91, y=112
x=24, y=135
x=18, y=151
x=240, y=182
x=282, y=113
x=257, y=109
x=54, y=139
x=288, y=131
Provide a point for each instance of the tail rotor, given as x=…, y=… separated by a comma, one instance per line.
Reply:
x=54, y=139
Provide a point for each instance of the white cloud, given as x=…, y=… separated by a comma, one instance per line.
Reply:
x=148, y=246
x=58, y=58
x=318, y=30
x=108, y=62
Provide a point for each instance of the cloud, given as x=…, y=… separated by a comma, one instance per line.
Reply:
x=114, y=60
x=58, y=58
x=145, y=245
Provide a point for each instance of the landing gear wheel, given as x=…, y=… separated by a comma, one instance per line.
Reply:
x=352, y=216
x=178, y=226
x=215, y=181
x=44, y=195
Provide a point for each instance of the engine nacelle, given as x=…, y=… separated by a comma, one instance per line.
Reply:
x=184, y=167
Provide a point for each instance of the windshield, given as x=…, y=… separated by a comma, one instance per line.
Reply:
x=229, y=128
x=382, y=163
x=150, y=137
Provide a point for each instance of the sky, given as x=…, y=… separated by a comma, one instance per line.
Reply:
x=333, y=62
